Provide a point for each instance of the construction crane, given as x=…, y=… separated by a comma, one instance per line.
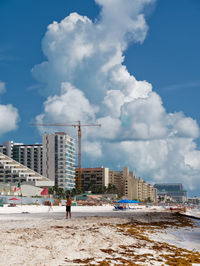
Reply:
x=78, y=125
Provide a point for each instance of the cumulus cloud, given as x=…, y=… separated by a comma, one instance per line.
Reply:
x=85, y=79
x=70, y=105
x=8, y=118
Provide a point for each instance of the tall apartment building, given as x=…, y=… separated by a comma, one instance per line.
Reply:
x=28, y=155
x=59, y=159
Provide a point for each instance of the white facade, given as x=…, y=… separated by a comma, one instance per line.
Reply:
x=28, y=155
x=59, y=159
x=12, y=171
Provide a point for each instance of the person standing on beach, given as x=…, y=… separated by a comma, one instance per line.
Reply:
x=50, y=206
x=68, y=207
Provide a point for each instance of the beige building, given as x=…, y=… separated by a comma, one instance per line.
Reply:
x=131, y=187
x=152, y=193
x=125, y=182
x=115, y=178
x=94, y=176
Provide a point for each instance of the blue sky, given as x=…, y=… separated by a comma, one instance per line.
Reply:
x=167, y=57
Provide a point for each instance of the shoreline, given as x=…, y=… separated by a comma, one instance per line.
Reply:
x=141, y=237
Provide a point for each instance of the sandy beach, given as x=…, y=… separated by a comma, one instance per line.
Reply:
x=30, y=235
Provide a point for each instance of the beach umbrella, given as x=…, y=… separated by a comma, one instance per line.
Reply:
x=124, y=201
x=45, y=192
x=134, y=201
x=127, y=201
x=52, y=200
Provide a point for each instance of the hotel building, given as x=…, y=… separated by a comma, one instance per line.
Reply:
x=94, y=176
x=28, y=155
x=12, y=172
x=59, y=159
x=54, y=158
x=125, y=182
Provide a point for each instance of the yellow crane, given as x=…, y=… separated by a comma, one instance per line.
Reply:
x=77, y=125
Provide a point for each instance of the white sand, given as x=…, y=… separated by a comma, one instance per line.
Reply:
x=32, y=236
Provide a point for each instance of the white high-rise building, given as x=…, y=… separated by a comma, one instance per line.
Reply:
x=28, y=155
x=59, y=159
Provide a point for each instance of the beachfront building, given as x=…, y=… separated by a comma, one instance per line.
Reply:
x=28, y=155
x=125, y=181
x=12, y=172
x=130, y=184
x=59, y=159
x=133, y=188
x=115, y=178
x=94, y=177
x=152, y=193
x=173, y=190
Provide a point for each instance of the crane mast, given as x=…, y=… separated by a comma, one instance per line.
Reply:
x=79, y=125
x=79, y=157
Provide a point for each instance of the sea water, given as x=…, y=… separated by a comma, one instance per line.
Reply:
x=188, y=238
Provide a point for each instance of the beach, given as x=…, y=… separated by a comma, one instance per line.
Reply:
x=96, y=235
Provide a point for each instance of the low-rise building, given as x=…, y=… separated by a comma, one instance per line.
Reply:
x=93, y=177
x=194, y=201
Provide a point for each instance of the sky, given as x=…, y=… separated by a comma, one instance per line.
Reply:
x=131, y=65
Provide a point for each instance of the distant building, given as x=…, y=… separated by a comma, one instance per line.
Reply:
x=59, y=159
x=125, y=182
x=173, y=190
x=137, y=189
x=94, y=177
x=194, y=200
x=115, y=178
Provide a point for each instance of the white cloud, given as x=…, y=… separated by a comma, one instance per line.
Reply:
x=70, y=105
x=2, y=87
x=8, y=118
x=93, y=148
x=85, y=79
